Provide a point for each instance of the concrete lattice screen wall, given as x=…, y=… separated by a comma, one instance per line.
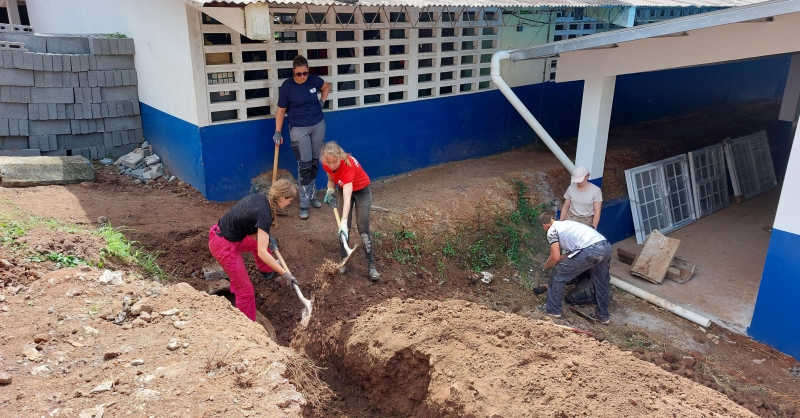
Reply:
x=67, y=95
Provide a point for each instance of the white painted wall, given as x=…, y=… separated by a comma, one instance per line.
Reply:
x=161, y=36
x=786, y=219
x=705, y=46
x=791, y=93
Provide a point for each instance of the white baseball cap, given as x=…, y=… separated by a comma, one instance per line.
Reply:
x=579, y=174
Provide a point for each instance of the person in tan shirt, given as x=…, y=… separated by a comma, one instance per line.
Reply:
x=582, y=200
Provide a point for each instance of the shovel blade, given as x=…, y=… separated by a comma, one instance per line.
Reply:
x=305, y=315
x=346, y=259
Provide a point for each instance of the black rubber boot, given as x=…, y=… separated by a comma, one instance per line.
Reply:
x=373, y=273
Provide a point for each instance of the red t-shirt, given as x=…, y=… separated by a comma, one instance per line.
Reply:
x=352, y=173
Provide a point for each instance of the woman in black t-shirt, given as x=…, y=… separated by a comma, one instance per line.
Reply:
x=245, y=228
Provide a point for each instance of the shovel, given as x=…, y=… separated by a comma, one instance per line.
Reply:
x=306, y=314
x=344, y=241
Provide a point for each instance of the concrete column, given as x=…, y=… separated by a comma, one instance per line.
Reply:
x=598, y=97
x=791, y=93
x=13, y=12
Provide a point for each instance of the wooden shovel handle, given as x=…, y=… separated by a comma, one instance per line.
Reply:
x=283, y=263
x=336, y=213
x=275, y=164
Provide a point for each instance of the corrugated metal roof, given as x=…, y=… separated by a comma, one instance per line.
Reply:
x=492, y=3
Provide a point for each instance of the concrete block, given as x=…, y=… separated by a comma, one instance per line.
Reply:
x=49, y=127
x=84, y=126
x=67, y=44
x=105, y=46
x=38, y=78
x=101, y=126
x=61, y=111
x=20, y=153
x=92, y=125
x=91, y=79
x=122, y=46
x=123, y=123
x=104, y=109
x=5, y=94
x=17, y=77
x=16, y=95
x=13, y=142
x=97, y=97
x=134, y=78
x=93, y=152
x=101, y=152
x=108, y=140
x=126, y=77
x=33, y=111
x=13, y=127
x=32, y=43
x=66, y=63
x=154, y=172
x=27, y=60
x=14, y=110
x=53, y=140
x=24, y=127
x=82, y=141
x=58, y=80
x=24, y=94
x=33, y=141
x=152, y=159
x=126, y=138
x=70, y=111
x=101, y=78
x=120, y=108
x=74, y=63
x=109, y=75
x=48, y=79
x=117, y=78
x=132, y=160
x=87, y=95
x=84, y=62
x=130, y=47
x=52, y=112
x=78, y=93
x=74, y=126
x=78, y=111
x=38, y=62
x=47, y=62
x=44, y=113
x=113, y=46
x=19, y=59
x=121, y=150
x=66, y=79
x=73, y=79
x=96, y=113
x=4, y=130
x=135, y=105
x=51, y=95
x=85, y=153
x=55, y=153
x=92, y=62
x=58, y=62
x=117, y=139
x=115, y=62
x=83, y=78
x=87, y=110
x=113, y=94
x=127, y=107
x=8, y=59
x=94, y=46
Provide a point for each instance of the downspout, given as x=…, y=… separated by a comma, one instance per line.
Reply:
x=526, y=114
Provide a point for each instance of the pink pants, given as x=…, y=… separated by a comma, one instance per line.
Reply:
x=229, y=256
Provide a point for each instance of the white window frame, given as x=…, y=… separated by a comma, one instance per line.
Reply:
x=709, y=180
x=750, y=165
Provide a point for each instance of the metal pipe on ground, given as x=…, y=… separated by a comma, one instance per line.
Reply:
x=524, y=112
x=661, y=303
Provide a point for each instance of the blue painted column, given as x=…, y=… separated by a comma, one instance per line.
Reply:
x=598, y=97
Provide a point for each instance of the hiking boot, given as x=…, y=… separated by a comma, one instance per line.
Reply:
x=604, y=321
x=373, y=273
x=543, y=309
x=315, y=203
x=304, y=213
x=539, y=290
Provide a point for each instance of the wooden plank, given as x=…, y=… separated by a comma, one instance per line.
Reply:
x=680, y=270
x=626, y=257
x=654, y=259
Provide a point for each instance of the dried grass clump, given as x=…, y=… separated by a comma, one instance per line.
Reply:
x=304, y=374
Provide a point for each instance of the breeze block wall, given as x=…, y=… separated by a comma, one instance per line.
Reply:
x=67, y=95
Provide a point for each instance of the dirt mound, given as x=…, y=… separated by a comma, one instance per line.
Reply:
x=456, y=358
x=185, y=353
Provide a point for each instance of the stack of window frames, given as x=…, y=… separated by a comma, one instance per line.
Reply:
x=750, y=164
x=709, y=183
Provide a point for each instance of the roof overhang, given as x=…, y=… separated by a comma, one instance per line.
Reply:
x=478, y=3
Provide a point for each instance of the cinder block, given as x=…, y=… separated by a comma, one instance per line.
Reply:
x=126, y=139
x=74, y=127
x=38, y=62
x=122, y=46
x=87, y=110
x=73, y=77
x=20, y=153
x=117, y=139
x=58, y=80
x=58, y=62
x=97, y=96
x=33, y=141
x=96, y=113
x=108, y=139
x=33, y=111
x=49, y=127
x=16, y=77
x=24, y=94
x=19, y=59
x=55, y=153
x=48, y=79
x=66, y=79
x=13, y=142
x=109, y=75
x=135, y=104
x=105, y=46
x=27, y=60
x=94, y=46
x=13, y=127
x=92, y=62
x=47, y=62
x=91, y=79
x=4, y=129
x=83, y=78
x=66, y=62
x=127, y=107
x=126, y=77
x=67, y=44
x=51, y=95
x=123, y=123
x=52, y=112
x=93, y=152
x=5, y=94
x=14, y=110
x=120, y=108
x=115, y=62
x=33, y=43
x=75, y=63
x=86, y=154
x=70, y=111
x=85, y=126
x=44, y=113
x=104, y=109
x=113, y=94
x=112, y=110
x=117, y=78
x=24, y=128
x=92, y=125
x=53, y=142
x=87, y=95
x=78, y=95
x=61, y=110
x=113, y=46
x=130, y=47
x=84, y=62
x=134, y=78
x=82, y=141
x=41, y=142
x=38, y=78
x=101, y=152
x=8, y=58
x=79, y=111
x=16, y=94
x=101, y=126
x=100, y=78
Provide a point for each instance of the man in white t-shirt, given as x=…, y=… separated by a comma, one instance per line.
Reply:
x=582, y=200
x=586, y=250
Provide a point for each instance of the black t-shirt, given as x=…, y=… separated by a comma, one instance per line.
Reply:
x=245, y=218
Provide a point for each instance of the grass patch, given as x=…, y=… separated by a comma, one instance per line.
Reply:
x=61, y=259
x=129, y=252
x=406, y=249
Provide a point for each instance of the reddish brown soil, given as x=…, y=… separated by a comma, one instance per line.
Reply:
x=173, y=219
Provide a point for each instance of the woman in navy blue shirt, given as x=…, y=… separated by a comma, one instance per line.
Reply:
x=298, y=102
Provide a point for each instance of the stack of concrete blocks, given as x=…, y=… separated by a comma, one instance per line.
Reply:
x=68, y=95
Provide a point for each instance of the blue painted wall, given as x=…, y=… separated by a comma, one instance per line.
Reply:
x=616, y=220
x=177, y=142
x=776, y=320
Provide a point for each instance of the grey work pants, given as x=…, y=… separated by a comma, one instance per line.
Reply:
x=360, y=204
x=306, y=144
x=594, y=258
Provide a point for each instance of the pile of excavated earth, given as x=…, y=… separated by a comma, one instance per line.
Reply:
x=85, y=342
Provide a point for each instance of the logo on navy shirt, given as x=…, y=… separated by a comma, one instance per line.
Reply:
x=313, y=90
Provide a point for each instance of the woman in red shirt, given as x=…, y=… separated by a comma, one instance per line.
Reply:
x=353, y=192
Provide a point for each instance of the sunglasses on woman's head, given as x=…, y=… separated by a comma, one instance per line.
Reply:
x=301, y=74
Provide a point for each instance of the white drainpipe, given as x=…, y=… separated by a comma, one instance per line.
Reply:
x=660, y=302
x=526, y=114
